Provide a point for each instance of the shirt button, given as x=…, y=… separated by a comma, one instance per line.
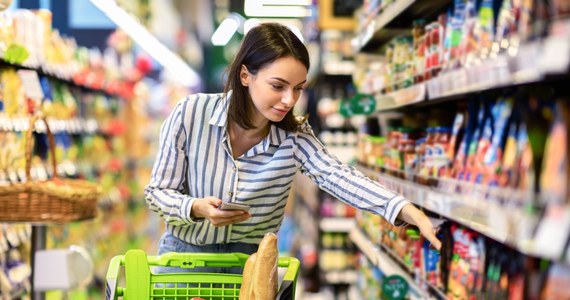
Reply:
x=230, y=194
x=235, y=169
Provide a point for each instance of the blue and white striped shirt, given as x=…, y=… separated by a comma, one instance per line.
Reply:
x=195, y=161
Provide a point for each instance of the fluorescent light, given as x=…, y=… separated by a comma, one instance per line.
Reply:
x=276, y=8
x=225, y=31
x=294, y=24
x=149, y=43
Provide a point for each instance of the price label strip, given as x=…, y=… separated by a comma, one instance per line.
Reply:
x=552, y=232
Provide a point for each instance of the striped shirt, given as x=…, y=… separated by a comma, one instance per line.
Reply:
x=195, y=161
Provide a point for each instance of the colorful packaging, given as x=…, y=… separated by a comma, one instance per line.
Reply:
x=456, y=136
x=471, y=164
x=494, y=154
x=554, y=174
x=459, y=164
x=557, y=283
x=440, y=149
x=525, y=168
x=508, y=166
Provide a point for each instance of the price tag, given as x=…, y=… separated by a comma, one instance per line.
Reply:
x=432, y=200
x=395, y=287
x=500, y=220
x=31, y=84
x=552, y=232
x=553, y=59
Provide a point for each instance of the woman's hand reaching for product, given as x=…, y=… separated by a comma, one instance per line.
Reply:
x=410, y=214
x=207, y=208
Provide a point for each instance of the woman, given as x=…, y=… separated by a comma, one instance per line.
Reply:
x=245, y=146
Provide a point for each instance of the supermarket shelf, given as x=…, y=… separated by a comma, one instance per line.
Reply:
x=517, y=65
x=62, y=73
x=385, y=263
x=500, y=214
x=401, y=98
x=340, y=277
x=73, y=126
x=395, y=19
x=337, y=224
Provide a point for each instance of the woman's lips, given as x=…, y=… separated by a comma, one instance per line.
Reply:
x=281, y=111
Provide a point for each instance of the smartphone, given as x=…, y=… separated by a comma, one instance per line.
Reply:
x=234, y=206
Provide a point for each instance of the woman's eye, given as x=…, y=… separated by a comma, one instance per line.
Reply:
x=299, y=88
x=277, y=87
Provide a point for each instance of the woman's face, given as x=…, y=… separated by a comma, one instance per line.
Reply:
x=275, y=89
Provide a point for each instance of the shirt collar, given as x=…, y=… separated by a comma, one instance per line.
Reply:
x=220, y=114
x=220, y=117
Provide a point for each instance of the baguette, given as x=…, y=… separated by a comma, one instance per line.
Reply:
x=246, y=278
x=264, y=279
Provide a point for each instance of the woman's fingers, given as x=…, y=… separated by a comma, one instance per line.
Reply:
x=432, y=238
x=223, y=218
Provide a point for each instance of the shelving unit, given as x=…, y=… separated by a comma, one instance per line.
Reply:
x=532, y=63
x=508, y=223
x=331, y=224
x=392, y=20
x=95, y=123
x=525, y=61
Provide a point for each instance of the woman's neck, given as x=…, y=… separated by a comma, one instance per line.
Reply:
x=256, y=133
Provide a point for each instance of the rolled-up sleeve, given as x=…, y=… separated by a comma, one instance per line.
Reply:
x=345, y=182
x=165, y=194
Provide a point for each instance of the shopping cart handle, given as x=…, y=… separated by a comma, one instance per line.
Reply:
x=111, y=290
x=194, y=260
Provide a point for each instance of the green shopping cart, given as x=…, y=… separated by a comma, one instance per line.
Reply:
x=140, y=283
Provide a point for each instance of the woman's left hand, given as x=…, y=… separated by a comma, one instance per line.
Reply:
x=410, y=214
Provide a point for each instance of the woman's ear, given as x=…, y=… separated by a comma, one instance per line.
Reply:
x=244, y=76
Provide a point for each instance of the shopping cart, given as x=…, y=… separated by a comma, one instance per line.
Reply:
x=141, y=284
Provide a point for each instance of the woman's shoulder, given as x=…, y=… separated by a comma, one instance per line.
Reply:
x=201, y=101
x=202, y=98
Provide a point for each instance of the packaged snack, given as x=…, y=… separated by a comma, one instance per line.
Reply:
x=554, y=174
x=494, y=154
x=557, y=283
x=508, y=165
x=440, y=149
x=427, y=163
x=420, y=47
x=525, y=169
x=460, y=162
x=456, y=136
x=471, y=162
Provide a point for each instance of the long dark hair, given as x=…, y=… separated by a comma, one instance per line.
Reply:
x=262, y=45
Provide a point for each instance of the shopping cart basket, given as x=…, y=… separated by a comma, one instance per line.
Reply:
x=141, y=284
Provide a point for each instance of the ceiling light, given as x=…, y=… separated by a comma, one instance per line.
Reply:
x=149, y=43
x=225, y=31
x=278, y=8
x=294, y=24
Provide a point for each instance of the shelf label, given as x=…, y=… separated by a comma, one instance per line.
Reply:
x=395, y=287
x=31, y=84
x=552, y=232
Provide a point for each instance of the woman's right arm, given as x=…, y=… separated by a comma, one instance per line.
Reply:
x=165, y=194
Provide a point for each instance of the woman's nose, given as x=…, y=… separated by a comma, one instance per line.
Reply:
x=289, y=98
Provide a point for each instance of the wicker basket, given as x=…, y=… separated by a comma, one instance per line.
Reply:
x=53, y=200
